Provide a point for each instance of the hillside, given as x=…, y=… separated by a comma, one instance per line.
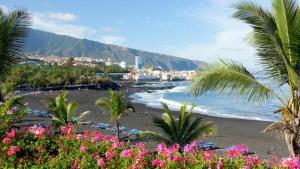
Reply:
x=45, y=43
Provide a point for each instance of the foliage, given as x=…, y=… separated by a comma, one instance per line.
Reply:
x=116, y=105
x=63, y=112
x=11, y=112
x=13, y=29
x=180, y=131
x=276, y=38
x=38, y=147
x=44, y=75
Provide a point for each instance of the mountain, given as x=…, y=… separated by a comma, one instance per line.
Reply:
x=45, y=43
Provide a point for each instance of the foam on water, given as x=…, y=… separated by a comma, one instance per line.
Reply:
x=209, y=104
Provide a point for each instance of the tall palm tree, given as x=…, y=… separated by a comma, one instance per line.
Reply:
x=63, y=112
x=117, y=106
x=276, y=38
x=13, y=29
x=179, y=131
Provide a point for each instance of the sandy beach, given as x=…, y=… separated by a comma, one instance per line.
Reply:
x=229, y=131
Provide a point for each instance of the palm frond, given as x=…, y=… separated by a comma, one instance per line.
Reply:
x=230, y=78
x=13, y=30
x=71, y=108
x=275, y=127
x=265, y=39
x=174, y=131
x=169, y=133
x=155, y=137
x=82, y=115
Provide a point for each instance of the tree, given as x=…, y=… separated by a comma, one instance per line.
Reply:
x=276, y=38
x=117, y=106
x=63, y=112
x=13, y=29
x=182, y=130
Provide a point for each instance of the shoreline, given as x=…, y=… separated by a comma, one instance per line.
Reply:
x=230, y=131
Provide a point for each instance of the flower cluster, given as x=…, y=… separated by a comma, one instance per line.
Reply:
x=9, y=136
x=39, y=131
x=12, y=150
x=237, y=150
x=38, y=145
x=291, y=162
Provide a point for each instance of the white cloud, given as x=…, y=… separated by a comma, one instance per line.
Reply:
x=111, y=39
x=4, y=8
x=56, y=23
x=229, y=40
x=226, y=45
x=62, y=16
x=43, y=22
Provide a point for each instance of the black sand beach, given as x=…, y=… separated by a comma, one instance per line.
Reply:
x=230, y=131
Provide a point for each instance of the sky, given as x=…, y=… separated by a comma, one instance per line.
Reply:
x=194, y=29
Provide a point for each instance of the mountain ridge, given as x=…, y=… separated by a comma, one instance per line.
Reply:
x=45, y=43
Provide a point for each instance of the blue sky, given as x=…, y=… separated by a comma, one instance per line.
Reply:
x=195, y=29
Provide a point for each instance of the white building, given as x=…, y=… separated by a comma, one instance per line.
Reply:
x=138, y=62
x=108, y=62
x=123, y=64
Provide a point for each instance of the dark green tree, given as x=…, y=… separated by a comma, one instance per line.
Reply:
x=182, y=130
x=13, y=29
x=117, y=106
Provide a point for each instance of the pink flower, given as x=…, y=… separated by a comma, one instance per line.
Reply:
x=86, y=134
x=126, y=153
x=6, y=140
x=175, y=147
x=291, y=162
x=237, y=151
x=139, y=145
x=158, y=163
x=116, y=145
x=97, y=136
x=83, y=148
x=101, y=162
x=220, y=164
x=12, y=150
x=68, y=130
x=190, y=147
x=79, y=137
x=38, y=131
x=178, y=158
x=161, y=148
x=252, y=160
x=95, y=155
x=11, y=111
x=11, y=134
x=247, y=167
x=109, y=155
x=208, y=155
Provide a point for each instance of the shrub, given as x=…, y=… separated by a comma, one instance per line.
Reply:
x=11, y=111
x=38, y=147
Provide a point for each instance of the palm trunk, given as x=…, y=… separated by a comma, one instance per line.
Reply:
x=118, y=130
x=1, y=95
x=292, y=142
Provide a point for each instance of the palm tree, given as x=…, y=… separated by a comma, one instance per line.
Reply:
x=13, y=29
x=63, y=112
x=276, y=38
x=179, y=131
x=117, y=106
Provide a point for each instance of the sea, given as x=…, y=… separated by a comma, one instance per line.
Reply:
x=212, y=104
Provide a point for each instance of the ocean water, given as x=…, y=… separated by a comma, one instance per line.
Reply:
x=212, y=104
